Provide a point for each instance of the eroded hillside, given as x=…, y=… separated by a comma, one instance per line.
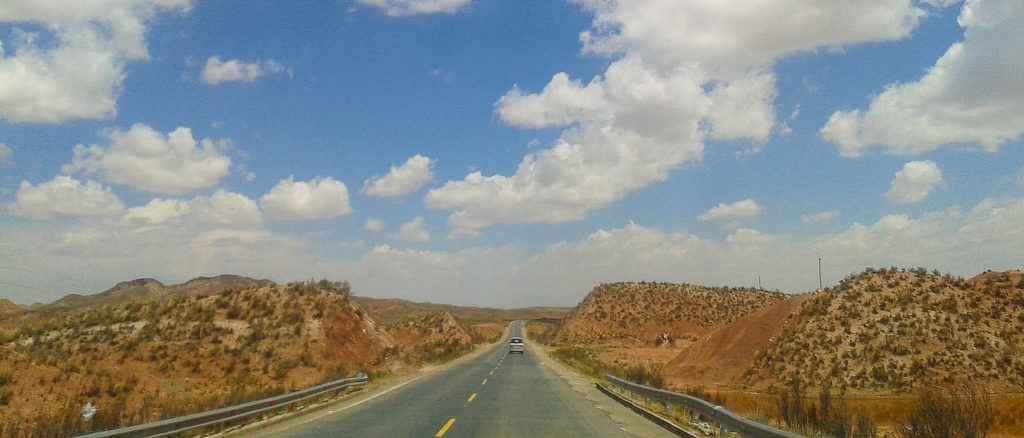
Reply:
x=640, y=314
x=894, y=330
x=141, y=361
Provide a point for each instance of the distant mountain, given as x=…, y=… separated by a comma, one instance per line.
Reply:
x=393, y=310
x=894, y=330
x=642, y=314
x=7, y=307
x=148, y=289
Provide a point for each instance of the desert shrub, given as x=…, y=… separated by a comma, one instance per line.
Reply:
x=6, y=375
x=963, y=410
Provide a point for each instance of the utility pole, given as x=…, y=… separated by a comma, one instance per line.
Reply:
x=819, y=273
x=758, y=282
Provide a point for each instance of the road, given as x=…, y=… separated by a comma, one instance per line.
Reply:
x=491, y=395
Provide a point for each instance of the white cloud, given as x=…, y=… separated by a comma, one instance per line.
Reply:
x=233, y=70
x=65, y=196
x=5, y=153
x=398, y=8
x=972, y=95
x=401, y=181
x=743, y=108
x=321, y=198
x=374, y=225
x=644, y=126
x=740, y=35
x=80, y=74
x=989, y=236
x=146, y=160
x=413, y=231
x=682, y=72
x=914, y=182
x=737, y=210
x=825, y=216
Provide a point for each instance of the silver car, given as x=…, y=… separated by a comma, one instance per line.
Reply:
x=515, y=345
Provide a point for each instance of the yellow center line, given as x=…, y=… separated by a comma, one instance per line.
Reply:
x=490, y=373
x=471, y=397
x=444, y=429
x=484, y=382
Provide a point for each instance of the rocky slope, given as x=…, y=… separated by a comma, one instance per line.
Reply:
x=649, y=314
x=142, y=360
x=894, y=330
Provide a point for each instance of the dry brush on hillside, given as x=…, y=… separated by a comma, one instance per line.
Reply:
x=894, y=330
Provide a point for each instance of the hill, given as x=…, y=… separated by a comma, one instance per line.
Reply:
x=434, y=337
x=722, y=357
x=394, y=310
x=641, y=314
x=191, y=349
x=894, y=330
x=147, y=289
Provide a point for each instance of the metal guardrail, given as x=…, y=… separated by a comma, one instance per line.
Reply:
x=719, y=414
x=219, y=417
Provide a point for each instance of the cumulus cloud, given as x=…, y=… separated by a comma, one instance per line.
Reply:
x=321, y=198
x=914, y=182
x=681, y=72
x=233, y=70
x=398, y=8
x=147, y=160
x=65, y=196
x=413, y=231
x=80, y=74
x=987, y=236
x=825, y=216
x=972, y=95
x=374, y=225
x=403, y=180
x=737, y=210
x=740, y=35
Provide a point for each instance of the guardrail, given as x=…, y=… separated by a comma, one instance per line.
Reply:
x=719, y=414
x=219, y=417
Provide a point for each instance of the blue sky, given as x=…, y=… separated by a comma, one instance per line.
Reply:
x=506, y=153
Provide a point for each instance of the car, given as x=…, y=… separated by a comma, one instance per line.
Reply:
x=515, y=345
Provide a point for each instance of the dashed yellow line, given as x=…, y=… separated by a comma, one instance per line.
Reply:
x=490, y=373
x=471, y=397
x=444, y=429
x=484, y=382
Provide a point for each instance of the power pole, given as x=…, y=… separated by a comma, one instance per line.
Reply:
x=819, y=273
x=758, y=282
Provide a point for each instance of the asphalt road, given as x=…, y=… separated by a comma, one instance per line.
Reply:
x=493, y=394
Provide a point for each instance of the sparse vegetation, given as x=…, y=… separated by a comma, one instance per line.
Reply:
x=200, y=348
x=962, y=410
x=895, y=330
x=642, y=313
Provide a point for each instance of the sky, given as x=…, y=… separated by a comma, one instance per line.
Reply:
x=507, y=153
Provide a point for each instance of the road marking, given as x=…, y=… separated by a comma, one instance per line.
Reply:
x=471, y=397
x=490, y=373
x=484, y=382
x=444, y=429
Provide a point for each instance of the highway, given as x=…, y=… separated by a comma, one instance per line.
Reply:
x=493, y=394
